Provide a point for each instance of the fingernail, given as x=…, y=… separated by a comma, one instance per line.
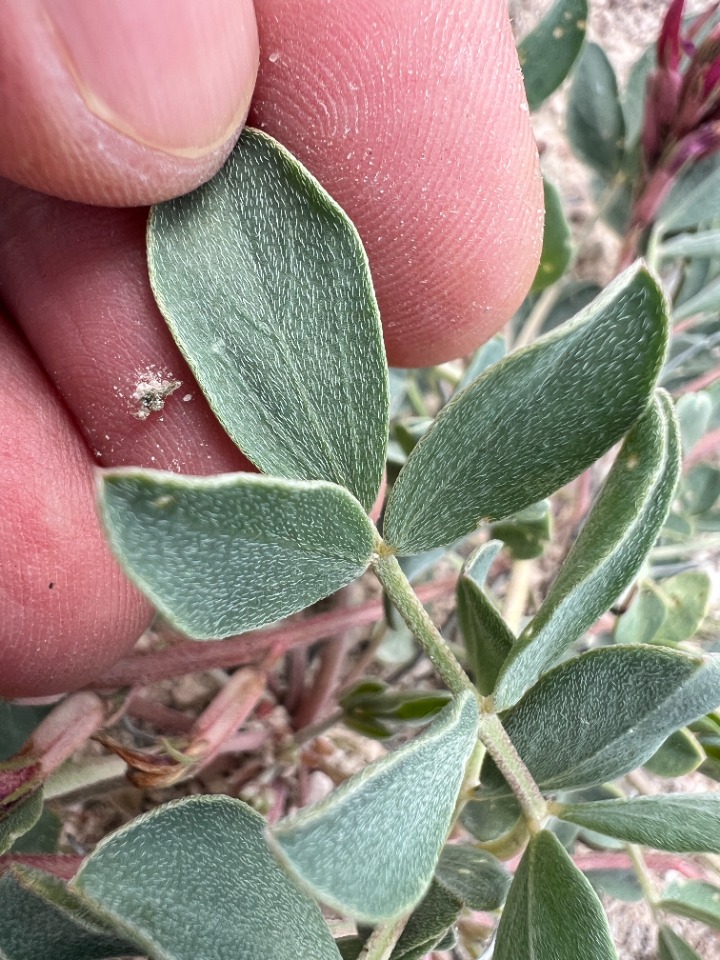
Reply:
x=176, y=75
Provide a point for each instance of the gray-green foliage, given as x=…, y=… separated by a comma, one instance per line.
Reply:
x=548, y=52
x=673, y=947
x=40, y=919
x=685, y=822
x=615, y=540
x=645, y=692
x=219, y=555
x=487, y=637
x=551, y=909
x=677, y=757
x=535, y=420
x=266, y=288
x=595, y=119
x=19, y=818
x=695, y=899
x=390, y=821
x=557, y=244
x=196, y=878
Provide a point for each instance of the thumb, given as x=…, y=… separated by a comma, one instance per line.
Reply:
x=123, y=102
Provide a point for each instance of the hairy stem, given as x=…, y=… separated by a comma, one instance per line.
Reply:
x=516, y=774
x=644, y=879
x=398, y=588
x=491, y=733
x=383, y=940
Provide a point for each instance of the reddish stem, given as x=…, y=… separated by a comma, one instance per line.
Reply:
x=704, y=449
x=191, y=657
x=164, y=719
x=699, y=383
x=61, y=865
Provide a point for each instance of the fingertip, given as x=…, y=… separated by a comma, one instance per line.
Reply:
x=123, y=102
x=414, y=117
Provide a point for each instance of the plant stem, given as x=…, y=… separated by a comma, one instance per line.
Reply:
x=397, y=586
x=491, y=731
x=645, y=880
x=383, y=939
x=191, y=657
x=516, y=774
x=517, y=593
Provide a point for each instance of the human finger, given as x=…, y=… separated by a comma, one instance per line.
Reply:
x=123, y=102
x=413, y=116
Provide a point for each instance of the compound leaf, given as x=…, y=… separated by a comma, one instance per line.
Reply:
x=266, y=289
x=196, y=878
x=552, y=910
x=646, y=693
x=681, y=822
x=532, y=422
x=390, y=821
x=548, y=52
x=612, y=546
x=219, y=555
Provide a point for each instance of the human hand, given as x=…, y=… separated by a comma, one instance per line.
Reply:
x=411, y=114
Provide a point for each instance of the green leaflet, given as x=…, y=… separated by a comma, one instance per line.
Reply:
x=694, y=200
x=476, y=878
x=693, y=412
x=548, y=52
x=595, y=120
x=492, y=818
x=706, y=301
x=390, y=821
x=16, y=725
x=526, y=533
x=634, y=95
x=604, y=713
x=557, y=242
x=219, y=555
x=612, y=546
x=703, y=244
x=19, y=818
x=429, y=923
x=619, y=884
x=679, y=755
x=686, y=597
x=673, y=947
x=642, y=620
x=266, y=288
x=487, y=637
x=40, y=919
x=195, y=879
x=682, y=822
x=532, y=422
x=694, y=899
x=551, y=910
